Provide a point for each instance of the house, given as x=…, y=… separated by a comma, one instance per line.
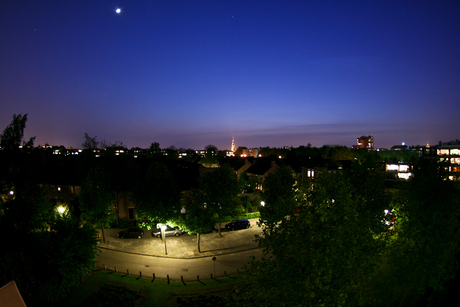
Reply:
x=260, y=170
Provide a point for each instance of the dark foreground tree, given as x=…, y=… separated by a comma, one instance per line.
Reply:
x=323, y=255
x=426, y=233
x=46, y=264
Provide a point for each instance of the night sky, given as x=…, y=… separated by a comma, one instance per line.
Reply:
x=268, y=73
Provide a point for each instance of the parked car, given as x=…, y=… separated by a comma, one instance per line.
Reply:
x=169, y=232
x=131, y=233
x=238, y=224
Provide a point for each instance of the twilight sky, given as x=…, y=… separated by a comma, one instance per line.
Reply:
x=268, y=73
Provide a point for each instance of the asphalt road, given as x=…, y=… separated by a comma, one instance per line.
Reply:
x=147, y=256
x=176, y=268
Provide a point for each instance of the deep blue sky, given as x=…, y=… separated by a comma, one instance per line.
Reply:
x=268, y=73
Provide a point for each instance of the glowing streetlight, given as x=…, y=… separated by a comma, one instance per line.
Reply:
x=262, y=203
x=61, y=210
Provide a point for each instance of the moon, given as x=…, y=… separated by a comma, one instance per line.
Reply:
x=118, y=10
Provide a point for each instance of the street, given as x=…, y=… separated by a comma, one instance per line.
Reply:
x=148, y=255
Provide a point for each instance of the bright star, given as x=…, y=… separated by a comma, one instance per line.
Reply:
x=118, y=10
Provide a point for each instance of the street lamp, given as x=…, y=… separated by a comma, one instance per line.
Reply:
x=163, y=236
x=61, y=209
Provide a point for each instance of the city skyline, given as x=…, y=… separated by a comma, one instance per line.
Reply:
x=189, y=74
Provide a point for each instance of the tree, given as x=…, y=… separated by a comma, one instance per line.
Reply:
x=279, y=197
x=198, y=219
x=96, y=199
x=90, y=143
x=210, y=151
x=172, y=152
x=422, y=255
x=12, y=136
x=323, y=255
x=157, y=196
x=220, y=191
x=154, y=149
x=107, y=144
x=48, y=264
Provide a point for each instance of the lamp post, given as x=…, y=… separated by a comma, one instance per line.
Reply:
x=163, y=236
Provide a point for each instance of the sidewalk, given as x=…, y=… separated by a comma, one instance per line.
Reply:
x=184, y=246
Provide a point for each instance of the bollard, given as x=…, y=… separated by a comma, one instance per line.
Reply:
x=182, y=278
x=140, y=274
x=153, y=276
x=116, y=270
x=198, y=278
x=105, y=269
x=167, y=276
x=127, y=271
x=211, y=275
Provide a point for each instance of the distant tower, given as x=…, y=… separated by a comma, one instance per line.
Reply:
x=233, y=145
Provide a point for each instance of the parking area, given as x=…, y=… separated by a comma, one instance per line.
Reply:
x=184, y=246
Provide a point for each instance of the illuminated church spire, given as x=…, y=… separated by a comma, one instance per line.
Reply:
x=233, y=146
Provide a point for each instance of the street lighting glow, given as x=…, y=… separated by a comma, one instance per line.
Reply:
x=61, y=209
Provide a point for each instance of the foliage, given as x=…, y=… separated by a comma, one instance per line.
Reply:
x=220, y=191
x=46, y=265
x=197, y=219
x=90, y=143
x=324, y=255
x=12, y=136
x=96, y=199
x=279, y=197
x=120, y=223
x=368, y=189
x=154, y=149
x=210, y=151
x=157, y=195
x=423, y=254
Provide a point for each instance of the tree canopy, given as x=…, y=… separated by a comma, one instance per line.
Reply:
x=12, y=136
x=220, y=192
x=96, y=199
x=157, y=195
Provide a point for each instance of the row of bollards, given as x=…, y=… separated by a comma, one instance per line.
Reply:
x=167, y=276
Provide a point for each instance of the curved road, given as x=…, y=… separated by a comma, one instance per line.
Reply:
x=189, y=269
x=232, y=251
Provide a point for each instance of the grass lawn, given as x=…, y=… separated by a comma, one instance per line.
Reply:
x=151, y=292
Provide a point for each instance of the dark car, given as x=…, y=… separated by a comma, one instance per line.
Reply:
x=239, y=224
x=169, y=232
x=131, y=233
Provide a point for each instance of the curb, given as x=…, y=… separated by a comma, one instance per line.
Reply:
x=210, y=254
